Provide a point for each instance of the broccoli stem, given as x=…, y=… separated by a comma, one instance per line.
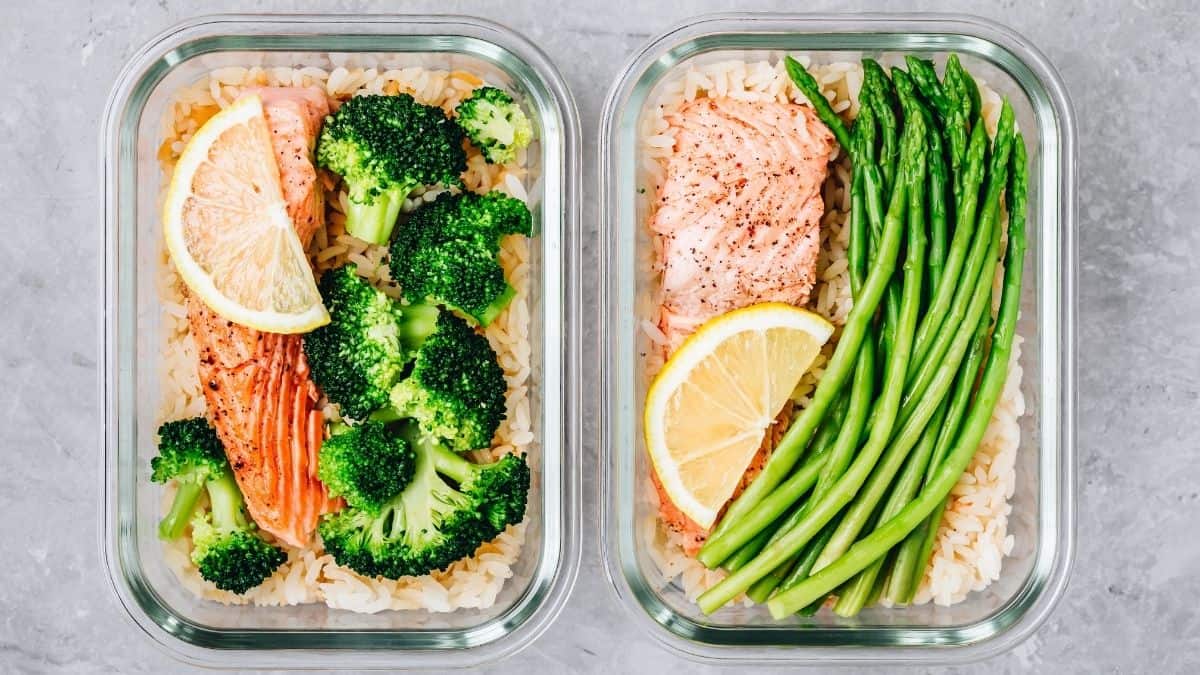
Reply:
x=373, y=221
x=449, y=464
x=186, y=495
x=493, y=310
x=226, y=503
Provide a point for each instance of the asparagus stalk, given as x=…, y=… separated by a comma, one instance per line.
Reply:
x=938, y=216
x=840, y=365
x=916, y=550
x=821, y=443
x=912, y=427
x=891, y=532
x=989, y=215
x=907, y=571
x=964, y=229
x=863, y=585
x=823, y=510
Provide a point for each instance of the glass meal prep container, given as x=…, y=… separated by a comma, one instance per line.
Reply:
x=208, y=633
x=1042, y=520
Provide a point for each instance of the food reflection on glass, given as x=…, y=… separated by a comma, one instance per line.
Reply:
x=344, y=286
x=834, y=378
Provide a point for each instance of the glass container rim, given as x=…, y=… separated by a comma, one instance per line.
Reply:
x=1057, y=348
x=371, y=33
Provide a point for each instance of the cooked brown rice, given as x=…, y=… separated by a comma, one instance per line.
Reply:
x=972, y=538
x=310, y=575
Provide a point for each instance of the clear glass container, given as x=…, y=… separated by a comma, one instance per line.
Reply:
x=309, y=636
x=1042, y=520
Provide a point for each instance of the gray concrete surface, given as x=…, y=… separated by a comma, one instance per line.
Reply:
x=1133, y=72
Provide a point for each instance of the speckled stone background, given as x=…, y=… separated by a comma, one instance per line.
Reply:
x=1132, y=69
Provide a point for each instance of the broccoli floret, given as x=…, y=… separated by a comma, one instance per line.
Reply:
x=385, y=147
x=362, y=352
x=224, y=546
x=366, y=465
x=448, y=252
x=190, y=453
x=456, y=388
x=432, y=523
x=495, y=124
x=383, y=364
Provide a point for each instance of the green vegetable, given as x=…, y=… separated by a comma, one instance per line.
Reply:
x=495, y=124
x=380, y=359
x=792, y=445
x=891, y=532
x=189, y=453
x=448, y=252
x=385, y=147
x=912, y=151
x=989, y=215
x=225, y=547
x=432, y=523
x=367, y=465
x=964, y=228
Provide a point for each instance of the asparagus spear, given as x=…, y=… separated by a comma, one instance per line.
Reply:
x=891, y=532
x=989, y=215
x=938, y=216
x=836, y=373
x=822, y=511
x=858, y=591
x=820, y=445
x=861, y=388
x=914, y=553
x=907, y=571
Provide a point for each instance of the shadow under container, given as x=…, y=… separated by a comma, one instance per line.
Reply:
x=311, y=636
x=1042, y=520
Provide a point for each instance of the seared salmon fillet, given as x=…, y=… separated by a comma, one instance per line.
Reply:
x=739, y=209
x=738, y=223
x=256, y=385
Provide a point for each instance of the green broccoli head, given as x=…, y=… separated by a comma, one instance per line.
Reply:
x=362, y=352
x=366, y=465
x=495, y=124
x=432, y=523
x=456, y=389
x=499, y=490
x=225, y=547
x=234, y=560
x=190, y=453
x=384, y=147
x=448, y=252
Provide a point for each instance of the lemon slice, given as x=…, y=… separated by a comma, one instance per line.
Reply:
x=228, y=232
x=711, y=405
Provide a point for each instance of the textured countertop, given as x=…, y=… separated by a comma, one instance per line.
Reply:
x=1132, y=71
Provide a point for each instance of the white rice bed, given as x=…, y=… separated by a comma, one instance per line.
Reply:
x=310, y=575
x=972, y=538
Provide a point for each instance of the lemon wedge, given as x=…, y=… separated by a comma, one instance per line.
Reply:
x=228, y=231
x=709, y=408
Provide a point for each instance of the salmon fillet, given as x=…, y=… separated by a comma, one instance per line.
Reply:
x=256, y=385
x=739, y=209
x=738, y=223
